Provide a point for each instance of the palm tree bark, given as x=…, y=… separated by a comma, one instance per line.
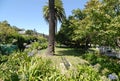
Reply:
x=55, y=26
x=51, y=46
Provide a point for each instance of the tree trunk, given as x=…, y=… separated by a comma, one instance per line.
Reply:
x=55, y=26
x=51, y=46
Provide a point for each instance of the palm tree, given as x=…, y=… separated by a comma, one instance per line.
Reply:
x=50, y=50
x=59, y=13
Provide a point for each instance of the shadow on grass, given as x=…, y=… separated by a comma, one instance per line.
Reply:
x=69, y=52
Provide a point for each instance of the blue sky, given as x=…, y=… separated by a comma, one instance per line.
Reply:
x=28, y=14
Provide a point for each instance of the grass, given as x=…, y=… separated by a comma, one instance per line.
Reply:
x=70, y=54
x=65, y=52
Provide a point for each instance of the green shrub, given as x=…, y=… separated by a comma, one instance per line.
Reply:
x=3, y=58
x=8, y=49
x=10, y=68
x=108, y=64
x=21, y=67
x=43, y=42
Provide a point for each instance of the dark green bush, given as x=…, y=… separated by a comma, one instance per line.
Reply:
x=8, y=48
x=108, y=63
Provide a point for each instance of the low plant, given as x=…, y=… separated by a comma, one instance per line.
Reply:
x=108, y=64
x=21, y=67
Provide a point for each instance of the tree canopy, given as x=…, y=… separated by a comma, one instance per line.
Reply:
x=98, y=23
x=59, y=12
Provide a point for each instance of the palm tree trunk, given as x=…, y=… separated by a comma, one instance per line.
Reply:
x=51, y=46
x=55, y=26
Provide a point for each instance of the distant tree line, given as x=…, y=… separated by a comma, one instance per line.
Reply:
x=10, y=35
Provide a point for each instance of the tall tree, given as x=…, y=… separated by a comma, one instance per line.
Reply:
x=59, y=13
x=51, y=46
x=98, y=23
